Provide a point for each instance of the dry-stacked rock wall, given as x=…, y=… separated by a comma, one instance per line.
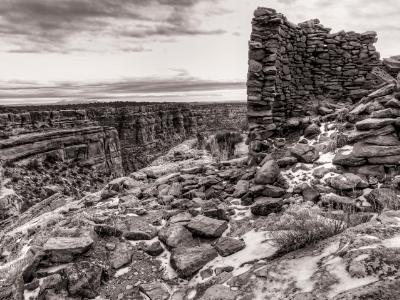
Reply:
x=291, y=65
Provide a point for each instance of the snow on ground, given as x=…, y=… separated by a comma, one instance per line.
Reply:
x=122, y=271
x=28, y=295
x=336, y=267
x=259, y=245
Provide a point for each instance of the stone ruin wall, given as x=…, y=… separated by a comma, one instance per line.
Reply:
x=291, y=66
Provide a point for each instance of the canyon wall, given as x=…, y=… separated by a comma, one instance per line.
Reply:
x=292, y=66
x=67, y=136
x=147, y=132
x=144, y=130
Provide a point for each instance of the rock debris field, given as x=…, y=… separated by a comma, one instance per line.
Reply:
x=308, y=213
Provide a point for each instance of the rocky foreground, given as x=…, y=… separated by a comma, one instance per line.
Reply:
x=316, y=219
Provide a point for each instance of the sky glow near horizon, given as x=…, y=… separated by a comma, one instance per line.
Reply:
x=159, y=50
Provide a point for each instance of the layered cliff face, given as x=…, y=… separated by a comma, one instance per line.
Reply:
x=147, y=132
x=45, y=152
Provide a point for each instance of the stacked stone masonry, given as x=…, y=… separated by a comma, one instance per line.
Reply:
x=291, y=65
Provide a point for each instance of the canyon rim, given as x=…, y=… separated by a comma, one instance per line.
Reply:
x=165, y=177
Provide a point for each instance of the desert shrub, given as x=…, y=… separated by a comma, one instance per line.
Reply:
x=33, y=165
x=228, y=138
x=301, y=226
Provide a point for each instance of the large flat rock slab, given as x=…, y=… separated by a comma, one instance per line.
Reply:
x=63, y=249
x=187, y=261
x=369, y=124
x=207, y=227
x=367, y=150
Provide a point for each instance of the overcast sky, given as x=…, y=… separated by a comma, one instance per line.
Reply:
x=158, y=50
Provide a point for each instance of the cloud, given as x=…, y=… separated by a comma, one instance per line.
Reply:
x=54, y=26
x=182, y=84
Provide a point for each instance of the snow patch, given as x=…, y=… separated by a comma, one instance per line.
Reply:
x=122, y=271
x=393, y=242
x=258, y=245
x=336, y=267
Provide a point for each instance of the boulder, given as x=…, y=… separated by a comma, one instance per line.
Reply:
x=175, y=235
x=207, y=227
x=263, y=206
x=154, y=249
x=357, y=135
x=241, y=188
x=227, y=246
x=136, y=228
x=155, y=290
x=383, y=140
x=219, y=292
x=368, y=150
x=386, y=113
x=369, y=124
x=286, y=161
x=121, y=255
x=312, y=131
x=84, y=279
x=392, y=63
x=344, y=158
x=383, y=198
x=305, y=153
x=187, y=261
x=309, y=194
x=347, y=181
x=385, y=160
x=64, y=249
x=268, y=173
x=273, y=191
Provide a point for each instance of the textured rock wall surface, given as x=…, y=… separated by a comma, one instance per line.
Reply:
x=25, y=122
x=292, y=65
x=60, y=136
x=147, y=132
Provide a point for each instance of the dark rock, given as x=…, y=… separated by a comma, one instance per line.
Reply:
x=227, y=246
x=175, y=235
x=356, y=135
x=383, y=140
x=264, y=206
x=309, y=194
x=367, y=150
x=268, y=173
x=241, y=188
x=207, y=227
x=273, y=191
x=136, y=228
x=219, y=292
x=64, y=249
x=347, y=181
x=84, y=279
x=345, y=158
x=121, y=255
x=286, y=161
x=155, y=290
x=305, y=153
x=312, y=131
x=154, y=249
x=369, y=124
x=187, y=261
